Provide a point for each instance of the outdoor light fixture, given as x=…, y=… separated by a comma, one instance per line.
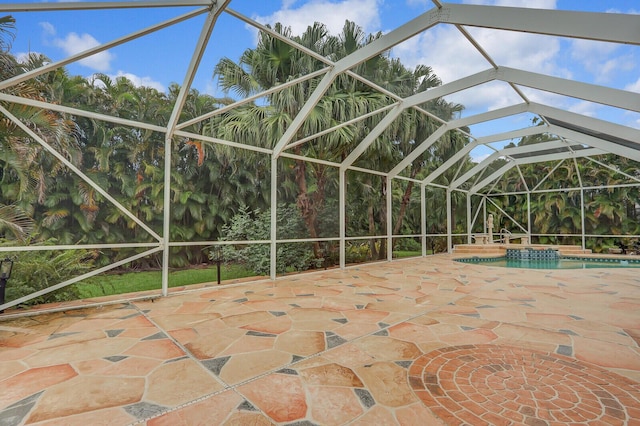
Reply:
x=216, y=256
x=6, y=266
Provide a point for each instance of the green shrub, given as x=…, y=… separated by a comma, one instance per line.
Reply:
x=37, y=270
x=408, y=244
x=255, y=225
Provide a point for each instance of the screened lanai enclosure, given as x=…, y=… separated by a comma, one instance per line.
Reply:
x=317, y=149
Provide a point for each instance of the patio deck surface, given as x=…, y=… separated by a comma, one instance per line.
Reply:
x=423, y=341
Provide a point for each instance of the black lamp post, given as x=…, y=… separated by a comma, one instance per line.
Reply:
x=6, y=266
x=217, y=257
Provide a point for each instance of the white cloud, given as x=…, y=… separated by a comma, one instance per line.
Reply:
x=633, y=87
x=48, y=28
x=538, y=4
x=365, y=13
x=140, y=81
x=598, y=59
x=74, y=43
x=585, y=108
x=452, y=56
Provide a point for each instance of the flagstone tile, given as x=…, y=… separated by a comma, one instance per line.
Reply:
x=388, y=349
x=192, y=307
x=505, y=314
x=106, y=417
x=267, y=305
x=303, y=343
x=387, y=383
x=442, y=329
x=131, y=366
x=249, y=344
x=243, y=418
x=20, y=340
x=315, y=325
x=606, y=354
x=471, y=337
x=528, y=333
x=376, y=415
x=409, y=332
x=339, y=304
x=417, y=414
x=89, y=324
x=242, y=367
x=186, y=379
x=365, y=315
x=10, y=368
x=61, y=339
x=81, y=351
x=30, y=381
x=396, y=317
x=156, y=349
x=333, y=405
x=276, y=325
x=349, y=355
x=246, y=318
x=86, y=394
x=330, y=375
x=353, y=330
x=279, y=396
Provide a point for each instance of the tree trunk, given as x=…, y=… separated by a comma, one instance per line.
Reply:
x=382, y=254
x=406, y=197
x=306, y=204
x=372, y=228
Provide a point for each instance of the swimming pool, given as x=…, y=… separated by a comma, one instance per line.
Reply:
x=562, y=263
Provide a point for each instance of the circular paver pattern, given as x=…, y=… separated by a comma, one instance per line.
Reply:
x=488, y=384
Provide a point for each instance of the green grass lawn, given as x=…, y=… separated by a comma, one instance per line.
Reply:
x=407, y=253
x=108, y=284
x=129, y=282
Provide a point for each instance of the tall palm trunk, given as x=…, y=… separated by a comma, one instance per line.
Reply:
x=406, y=197
x=306, y=203
x=383, y=219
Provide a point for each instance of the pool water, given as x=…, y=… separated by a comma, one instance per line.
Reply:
x=562, y=263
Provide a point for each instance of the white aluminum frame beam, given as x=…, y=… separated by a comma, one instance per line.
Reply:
x=539, y=159
x=589, y=92
x=419, y=150
x=493, y=176
x=594, y=124
x=97, y=49
x=525, y=149
x=610, y=27
x=201, y=45
x=71, y=5
x=527, y=131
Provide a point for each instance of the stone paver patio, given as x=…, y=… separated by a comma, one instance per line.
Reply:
x=413, y=342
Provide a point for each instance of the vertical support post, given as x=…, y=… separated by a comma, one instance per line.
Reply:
x=198, y=52
x=3, y=286
x=342, y=205
x=166, y=216
x=468, y=218
x=389, y=219
x=484, y=214
x=274, y=216
x=529, y=216
x=582, y=216
x=423, y=219
x=449, y=222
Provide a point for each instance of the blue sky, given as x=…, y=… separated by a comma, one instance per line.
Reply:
x=161, y=58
